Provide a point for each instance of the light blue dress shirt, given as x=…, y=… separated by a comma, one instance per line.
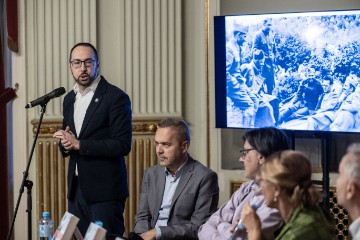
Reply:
x=171, y=183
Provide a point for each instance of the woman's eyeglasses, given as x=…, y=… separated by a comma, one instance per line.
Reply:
x=243, y=152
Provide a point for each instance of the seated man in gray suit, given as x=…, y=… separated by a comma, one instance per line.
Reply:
x=179, y=194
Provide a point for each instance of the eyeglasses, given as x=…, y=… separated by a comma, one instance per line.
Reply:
x=88, y=63
x=243, y=152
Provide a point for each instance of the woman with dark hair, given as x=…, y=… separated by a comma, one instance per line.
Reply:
x=285, y=181
x=259, y=144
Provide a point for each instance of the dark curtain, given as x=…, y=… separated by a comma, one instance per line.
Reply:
x=7, y=8
x=12, y=25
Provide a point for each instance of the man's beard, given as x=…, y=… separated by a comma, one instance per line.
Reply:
x=87, y=83
x=266, y=32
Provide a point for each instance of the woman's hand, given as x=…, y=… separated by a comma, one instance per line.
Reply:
x=252, y=222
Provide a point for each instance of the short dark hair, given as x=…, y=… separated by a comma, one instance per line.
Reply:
x=258, y=54
x=267, y=140
x=328, y=78
x=180, y=125
x=266, y=22
x=84, y=44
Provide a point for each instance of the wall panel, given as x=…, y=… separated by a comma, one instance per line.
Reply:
x=147, y=53
x=53, y=28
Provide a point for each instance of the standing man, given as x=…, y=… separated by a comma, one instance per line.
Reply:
x=348, y=187
x=233, y=51
x=244, y=101
x=263, y=41
x=179, y=194
x=96, y=135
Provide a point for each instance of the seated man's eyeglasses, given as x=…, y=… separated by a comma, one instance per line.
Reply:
x=243, y=152
x=76, y=63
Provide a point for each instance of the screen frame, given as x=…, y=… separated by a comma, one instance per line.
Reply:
x=220, y=66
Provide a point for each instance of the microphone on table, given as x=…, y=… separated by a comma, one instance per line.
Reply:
x=46, y=98
x=240, y=226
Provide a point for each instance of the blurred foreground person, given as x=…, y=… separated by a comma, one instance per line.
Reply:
x=348, y=187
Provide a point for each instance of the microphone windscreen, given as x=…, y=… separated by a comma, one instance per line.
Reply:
x=60, y=91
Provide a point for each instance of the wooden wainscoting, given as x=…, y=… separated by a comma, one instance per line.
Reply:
x=341, y=216
x=51, y=169
x=142, y=156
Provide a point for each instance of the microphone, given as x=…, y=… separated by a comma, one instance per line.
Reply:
x=240, y=226
x=47, y=97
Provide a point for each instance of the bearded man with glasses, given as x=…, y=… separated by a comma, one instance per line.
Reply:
x=96, y=135
x=258, y=145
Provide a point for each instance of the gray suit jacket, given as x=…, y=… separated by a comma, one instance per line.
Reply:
x=195, y=199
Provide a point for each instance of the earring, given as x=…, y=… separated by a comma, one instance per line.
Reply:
x=275, y=200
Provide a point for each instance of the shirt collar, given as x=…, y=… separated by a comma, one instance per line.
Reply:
x=253, y=187
x=92, y=86
x=179, y=171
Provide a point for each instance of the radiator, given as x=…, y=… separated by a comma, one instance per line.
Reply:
x=51, y=179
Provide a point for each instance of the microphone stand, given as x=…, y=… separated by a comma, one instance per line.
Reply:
x=27, y=183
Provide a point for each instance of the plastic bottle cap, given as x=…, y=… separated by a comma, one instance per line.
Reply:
x=46, y=214
x=99, y=223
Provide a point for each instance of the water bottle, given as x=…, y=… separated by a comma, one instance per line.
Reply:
x=99, y=223
x=46, y=227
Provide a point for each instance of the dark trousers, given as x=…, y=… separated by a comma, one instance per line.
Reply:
x=109, y=212
x=268, y=73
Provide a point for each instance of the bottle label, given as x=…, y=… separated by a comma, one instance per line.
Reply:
x=45, y=231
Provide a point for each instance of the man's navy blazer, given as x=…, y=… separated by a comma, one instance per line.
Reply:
x=105, y=138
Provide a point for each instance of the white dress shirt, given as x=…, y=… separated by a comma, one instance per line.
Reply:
x=82, y=102
x=355, y=229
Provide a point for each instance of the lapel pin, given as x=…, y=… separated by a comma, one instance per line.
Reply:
x=96, y=99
